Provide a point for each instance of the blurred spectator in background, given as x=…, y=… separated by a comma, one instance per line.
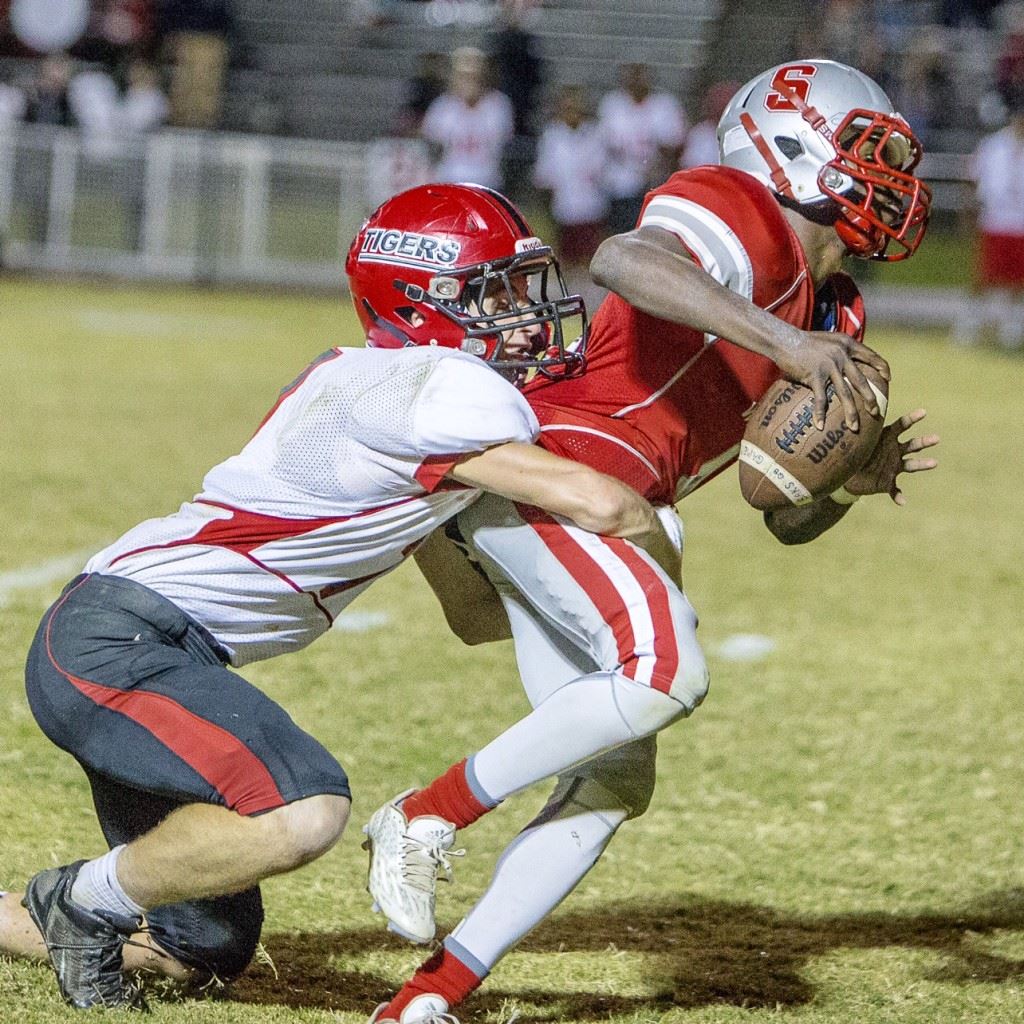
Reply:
x=394, y=165
x=569, y=172
x=196, y=34
x=999, y=194
x=1010, y=62
x=925, y=94
x=515, y=57
x=967, y=13
x=94, y=99
x=48, y=92
x=469, y=124
x=643, y=131
x=49, y=26
x=518, y=72
x=13, y=104
x=144, y=107
x=421, y=90
x=701, y=146
x=117, y=30
x=841, y=25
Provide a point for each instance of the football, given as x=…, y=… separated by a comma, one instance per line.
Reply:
x=785, y=460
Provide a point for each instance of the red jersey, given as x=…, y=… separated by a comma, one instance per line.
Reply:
x=661, y=405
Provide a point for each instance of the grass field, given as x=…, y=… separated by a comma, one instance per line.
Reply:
x=836, y=835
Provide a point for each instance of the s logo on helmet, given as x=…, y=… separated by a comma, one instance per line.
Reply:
x=408, y=248
x=795, y=78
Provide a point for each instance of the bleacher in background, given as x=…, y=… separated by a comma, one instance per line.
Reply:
x=321, y=71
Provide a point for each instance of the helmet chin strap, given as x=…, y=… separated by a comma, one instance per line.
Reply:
x=386, y=326
x=824, y=212
x=861, y=241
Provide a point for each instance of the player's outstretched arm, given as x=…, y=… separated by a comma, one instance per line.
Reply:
x=593, y=501
x=892, y=457
x=529, y=474
x=652, y=270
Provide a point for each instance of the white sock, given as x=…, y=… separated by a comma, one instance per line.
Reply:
x=538, y=869
x=97, y=887
x=584, y=718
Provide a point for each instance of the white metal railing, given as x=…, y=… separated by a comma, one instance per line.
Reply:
x=180, y=205
x=195, y=206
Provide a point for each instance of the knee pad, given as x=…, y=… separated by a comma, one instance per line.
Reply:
x=216, y=936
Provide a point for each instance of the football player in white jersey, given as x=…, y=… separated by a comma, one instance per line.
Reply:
x=204, y=786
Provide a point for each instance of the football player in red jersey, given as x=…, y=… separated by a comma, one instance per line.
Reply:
x=731, y=277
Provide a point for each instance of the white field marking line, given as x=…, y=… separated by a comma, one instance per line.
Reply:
x=53, y=570
x=360, y=622
x=744, y=647
x=145, y=326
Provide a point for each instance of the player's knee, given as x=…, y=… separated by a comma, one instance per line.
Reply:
x=691, y=683
x=623, y=777
x=216, y=937
x=308, y=828
x=645, y=709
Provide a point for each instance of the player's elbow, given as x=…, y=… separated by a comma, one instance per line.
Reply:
x=787, y=532
x=610, y=266
x=610, y=509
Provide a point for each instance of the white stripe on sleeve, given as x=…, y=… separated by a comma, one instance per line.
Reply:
x=712, y=241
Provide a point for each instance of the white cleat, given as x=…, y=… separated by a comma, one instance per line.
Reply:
x=405, y=858
x=425, y=1009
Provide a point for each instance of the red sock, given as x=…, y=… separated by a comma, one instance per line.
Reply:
x=443, y=974
x=448, y=797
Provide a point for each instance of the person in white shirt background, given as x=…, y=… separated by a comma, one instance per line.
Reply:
x=470, y=123
x=643, y=130
x=998, y=291
x=144, y=106
x=568, y=172
x=701, y=147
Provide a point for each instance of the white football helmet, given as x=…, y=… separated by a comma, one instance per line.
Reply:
x=825, y=138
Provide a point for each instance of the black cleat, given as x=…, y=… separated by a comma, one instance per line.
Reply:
x=85, y=946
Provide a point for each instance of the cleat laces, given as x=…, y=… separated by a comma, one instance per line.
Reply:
x=424, y=862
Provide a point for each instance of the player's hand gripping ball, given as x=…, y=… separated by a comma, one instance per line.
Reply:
x=785, y=460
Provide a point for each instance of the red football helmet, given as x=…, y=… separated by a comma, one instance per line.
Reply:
x=424, y=262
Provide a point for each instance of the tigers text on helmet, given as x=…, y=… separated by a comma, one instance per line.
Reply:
x=825, y=138
x=449, y=264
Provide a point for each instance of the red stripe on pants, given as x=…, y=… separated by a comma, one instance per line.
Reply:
x=591, y=578
x=221, y=758
x=666, y=647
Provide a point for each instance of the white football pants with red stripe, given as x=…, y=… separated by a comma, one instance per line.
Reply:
x=608, y=655
x=606, y=642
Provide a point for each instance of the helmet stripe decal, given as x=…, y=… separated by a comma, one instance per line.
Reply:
x=517, y=217
x=779, y=179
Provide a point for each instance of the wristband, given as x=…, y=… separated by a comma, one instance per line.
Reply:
x=842, y=496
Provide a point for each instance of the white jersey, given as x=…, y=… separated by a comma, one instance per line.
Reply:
x=472, y=138
x=633, y=133
x=343, y=479
x=570, y=162
x=997, y=170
